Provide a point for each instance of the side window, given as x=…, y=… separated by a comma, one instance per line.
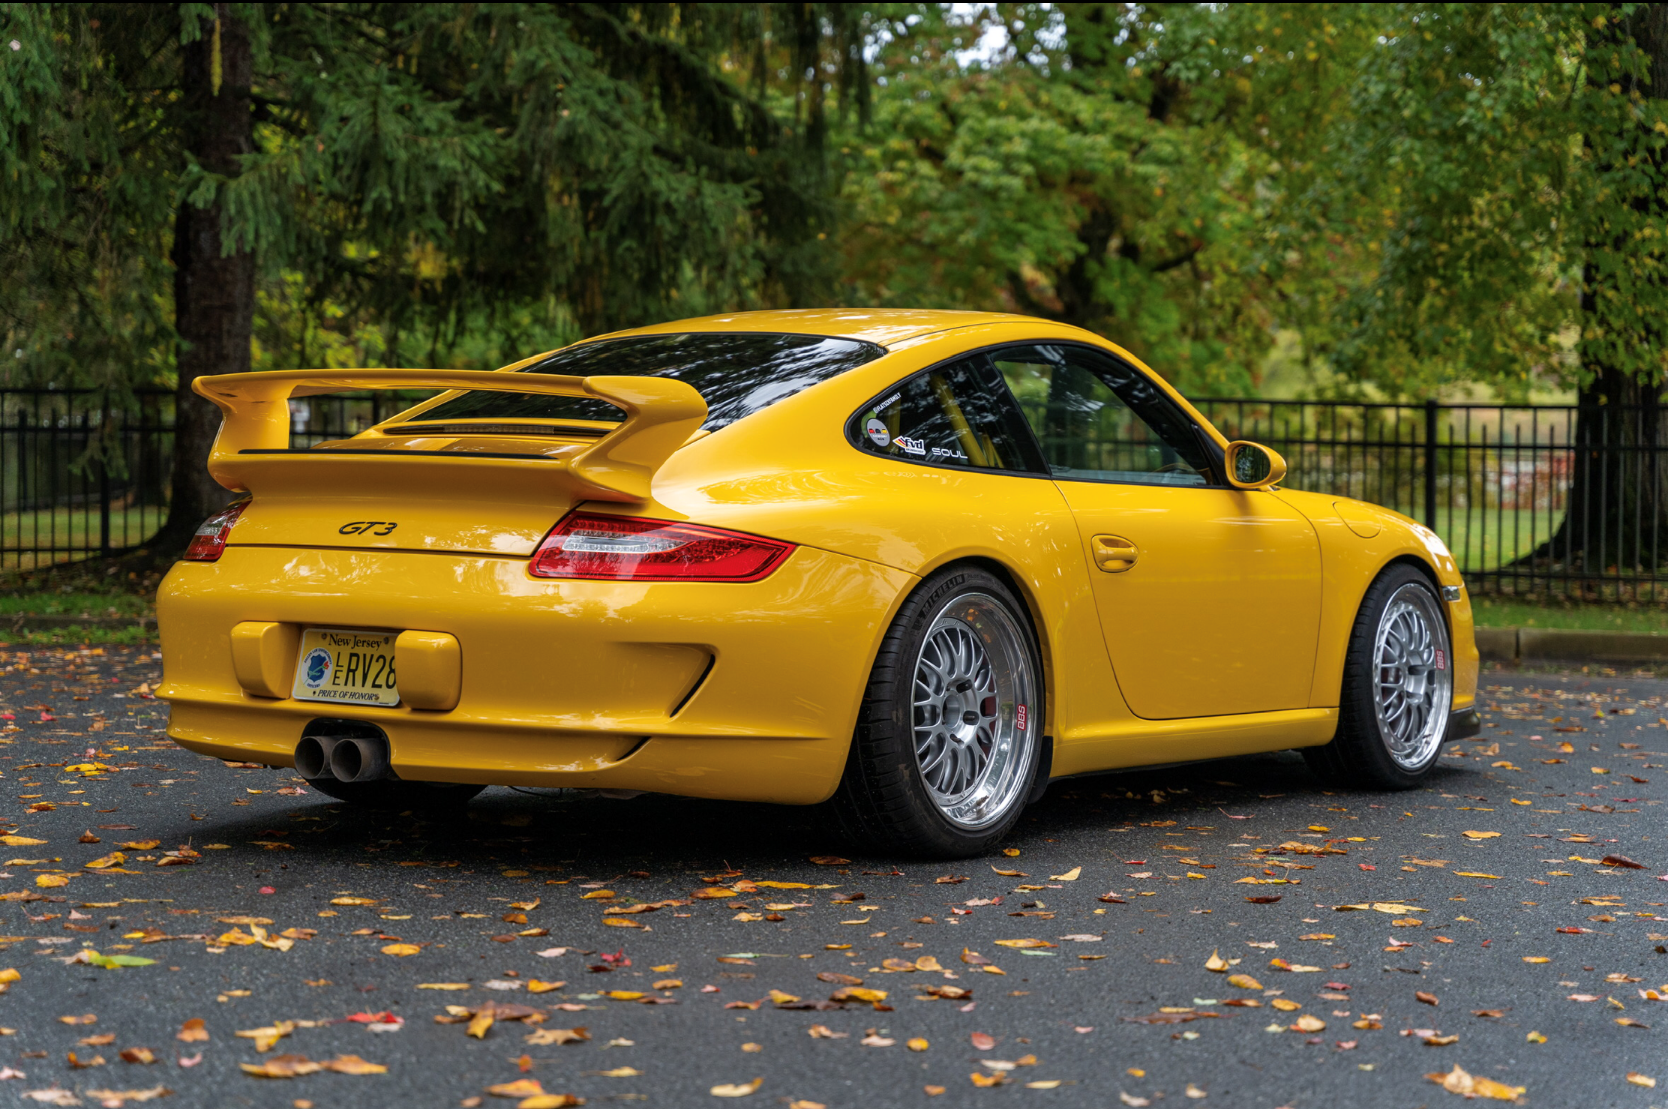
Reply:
x=1099, y=420
x=954, y=415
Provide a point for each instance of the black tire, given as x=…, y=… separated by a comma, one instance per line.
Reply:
x=1361, y=754
x=393, y=794
x=884, y=802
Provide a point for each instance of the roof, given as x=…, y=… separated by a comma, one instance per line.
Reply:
x=885, y=326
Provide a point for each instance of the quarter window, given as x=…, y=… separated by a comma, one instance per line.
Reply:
x=1097, y=419
x=958, y=415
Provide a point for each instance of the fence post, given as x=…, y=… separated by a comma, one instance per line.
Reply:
x=1430, y=464
x=104, y=485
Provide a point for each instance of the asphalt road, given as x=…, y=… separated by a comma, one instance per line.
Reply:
x=1133, y=881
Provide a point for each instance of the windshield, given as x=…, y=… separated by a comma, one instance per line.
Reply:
x=737, y=373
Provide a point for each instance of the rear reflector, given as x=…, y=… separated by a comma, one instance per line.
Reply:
x=629, y=548
x=210, y=539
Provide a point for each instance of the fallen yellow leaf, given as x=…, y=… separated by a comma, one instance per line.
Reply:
x=353, y=1064
x=266, y=1038
x=741, y=1089
x=1458, y=1081
x=521, y=1087
x=399, y=950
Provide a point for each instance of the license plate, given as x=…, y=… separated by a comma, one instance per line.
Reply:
x=346, y=667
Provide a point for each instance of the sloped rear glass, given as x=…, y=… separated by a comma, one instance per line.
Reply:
x=738, y=373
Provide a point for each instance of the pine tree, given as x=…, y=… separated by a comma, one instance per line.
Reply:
x=436, y=166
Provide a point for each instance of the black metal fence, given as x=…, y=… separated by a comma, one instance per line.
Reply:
x=1538, y=500
x=1531, y=499
x=82, y=475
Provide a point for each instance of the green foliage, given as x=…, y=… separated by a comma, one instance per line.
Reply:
x=431, y=183
x=84, y=216
x=1422, y=193
x=1100, y=176
x=1495, y=180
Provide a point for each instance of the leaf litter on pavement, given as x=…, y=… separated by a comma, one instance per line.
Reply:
x=1165, y=836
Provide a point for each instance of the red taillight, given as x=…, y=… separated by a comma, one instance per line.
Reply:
x=629, y=548
x=210, y=540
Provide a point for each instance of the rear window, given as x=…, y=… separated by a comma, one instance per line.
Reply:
x=737, y=374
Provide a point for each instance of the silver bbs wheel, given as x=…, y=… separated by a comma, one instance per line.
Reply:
x=973, y=711
x=1413, y=679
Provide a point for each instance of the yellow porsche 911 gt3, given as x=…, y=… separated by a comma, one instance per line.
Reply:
x=911, y=563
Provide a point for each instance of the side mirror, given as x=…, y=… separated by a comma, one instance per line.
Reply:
x=1254, y=466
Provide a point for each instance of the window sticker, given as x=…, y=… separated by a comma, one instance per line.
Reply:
x=910, y=446
x=877, y=433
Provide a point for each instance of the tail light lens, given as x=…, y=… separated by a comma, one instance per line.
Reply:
x=209, y=542
x=630, y=548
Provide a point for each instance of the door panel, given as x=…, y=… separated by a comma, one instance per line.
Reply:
x=1208, y=596
x=1217, y=612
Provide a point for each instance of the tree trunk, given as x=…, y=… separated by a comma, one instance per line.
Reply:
x=214, y=291
x=1616, y=522
x=1616, y=519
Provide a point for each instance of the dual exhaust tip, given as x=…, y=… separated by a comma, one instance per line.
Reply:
x=359, y=757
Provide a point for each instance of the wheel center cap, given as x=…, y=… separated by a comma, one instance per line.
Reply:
x=961, y=722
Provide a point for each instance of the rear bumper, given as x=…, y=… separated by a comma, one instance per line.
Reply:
x=1463, y=724
x=738, y=691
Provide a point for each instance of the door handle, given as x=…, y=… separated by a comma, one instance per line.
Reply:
x=1113, y=553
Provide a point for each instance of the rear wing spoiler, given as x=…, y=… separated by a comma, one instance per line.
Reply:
x=661, y=414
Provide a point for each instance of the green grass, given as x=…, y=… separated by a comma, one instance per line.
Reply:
x=56, y=603
x=1504, y=612
x=1504, y=537
x=75, y=528
x=1487, y=539
x=77, y=637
